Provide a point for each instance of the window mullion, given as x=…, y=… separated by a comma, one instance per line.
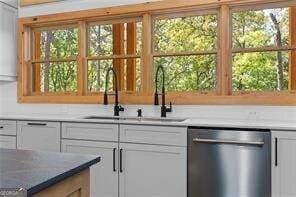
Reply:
x=292, y=80
x=82, y=69
x=131, y=63
x=118, y=49
x=147, y=59
x=224, y=62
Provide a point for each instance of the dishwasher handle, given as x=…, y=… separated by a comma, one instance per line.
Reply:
x=212, y=141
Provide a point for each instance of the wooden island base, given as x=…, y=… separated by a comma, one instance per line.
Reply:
x=75, y=186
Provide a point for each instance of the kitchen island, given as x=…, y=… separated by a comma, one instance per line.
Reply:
x=45, y=174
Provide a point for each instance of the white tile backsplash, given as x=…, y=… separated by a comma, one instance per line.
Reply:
x=9, y=105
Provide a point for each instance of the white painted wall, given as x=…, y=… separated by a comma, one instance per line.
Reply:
x=74, y=5
x=8, y=94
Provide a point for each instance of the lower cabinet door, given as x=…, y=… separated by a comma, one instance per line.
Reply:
x=8, y=142
x=283, y=164
x=104, y=175
x=152, y=171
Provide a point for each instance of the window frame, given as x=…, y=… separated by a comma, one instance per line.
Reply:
x=291, y=48
x=112, y=57
x=223, y=95
x=190, y=13
x=35, y=77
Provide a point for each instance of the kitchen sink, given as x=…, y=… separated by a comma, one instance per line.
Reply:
x=101, y=118
x=144, y=119
x=139, y=119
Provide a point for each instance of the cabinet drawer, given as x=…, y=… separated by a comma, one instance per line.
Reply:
x=163, y=135
x=7, y=127
x=89, y=131
x=39, y=135
x=8, y=142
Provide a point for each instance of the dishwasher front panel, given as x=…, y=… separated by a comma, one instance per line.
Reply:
x=229, y=163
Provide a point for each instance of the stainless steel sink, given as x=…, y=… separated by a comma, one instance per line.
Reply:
x=142, y=119
x=101, y=118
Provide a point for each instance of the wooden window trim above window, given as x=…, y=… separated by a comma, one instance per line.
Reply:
x=147, y=11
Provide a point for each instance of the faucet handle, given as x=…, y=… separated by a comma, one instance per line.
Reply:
x=120, y=108
x=171, y=108
x=139, y=113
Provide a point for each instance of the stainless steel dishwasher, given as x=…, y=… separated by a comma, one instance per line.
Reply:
x=229, y=163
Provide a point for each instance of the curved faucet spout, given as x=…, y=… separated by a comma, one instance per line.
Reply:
x=106, y=86
x=164, y=109
x=156, y=102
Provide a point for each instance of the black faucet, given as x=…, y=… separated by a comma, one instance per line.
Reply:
x=164, y=108
x=117, y=107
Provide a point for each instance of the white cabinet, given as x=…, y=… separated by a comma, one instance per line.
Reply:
x=136, y=160
x=162, y=135
x=40, y=136
x=104, y=175
x=8, y=134
x=88, y=131
x=284, y=164
x=8, y=127
x=152, y=171
x=8, y=38
x=8, y=142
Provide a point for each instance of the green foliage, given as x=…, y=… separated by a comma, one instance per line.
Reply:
x=257, y=71
x=251, y=71
x=260, y=71
x=57, y=44
x=189, y=34
x=188, y=73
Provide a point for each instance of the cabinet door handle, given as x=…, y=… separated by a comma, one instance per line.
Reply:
x=114, y=159
x=276, y=151
x=1, y=127
x=120, y=162
x=36, y=124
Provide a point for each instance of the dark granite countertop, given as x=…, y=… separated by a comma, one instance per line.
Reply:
x=35, y=171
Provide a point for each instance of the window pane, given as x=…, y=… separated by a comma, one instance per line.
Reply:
x=55, y=77
x=57, y=43
x=103, y=37
x=101, y=40
x=186, y=34
x=268, y=27
x=188, y=73
x=261, y=71
x=131, y=75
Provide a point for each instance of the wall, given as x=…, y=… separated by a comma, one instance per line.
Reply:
x=73, y=5
x=8, y=94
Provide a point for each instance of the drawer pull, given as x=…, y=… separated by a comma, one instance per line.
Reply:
x=276, y=152
x=36, y=124
x=120, y=162
x=114, y=159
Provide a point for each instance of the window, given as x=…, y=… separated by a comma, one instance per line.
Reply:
x=234, y=52
x=262, y=50
x=54, y=64
x=187, y=49
x=116, y=45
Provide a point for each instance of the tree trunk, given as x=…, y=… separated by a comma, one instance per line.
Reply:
x=280, y=69
x=49, y=36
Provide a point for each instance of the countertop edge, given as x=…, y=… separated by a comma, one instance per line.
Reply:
x=33, y=190
x=190, y=122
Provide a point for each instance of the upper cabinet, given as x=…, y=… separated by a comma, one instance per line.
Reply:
x=8, y=41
